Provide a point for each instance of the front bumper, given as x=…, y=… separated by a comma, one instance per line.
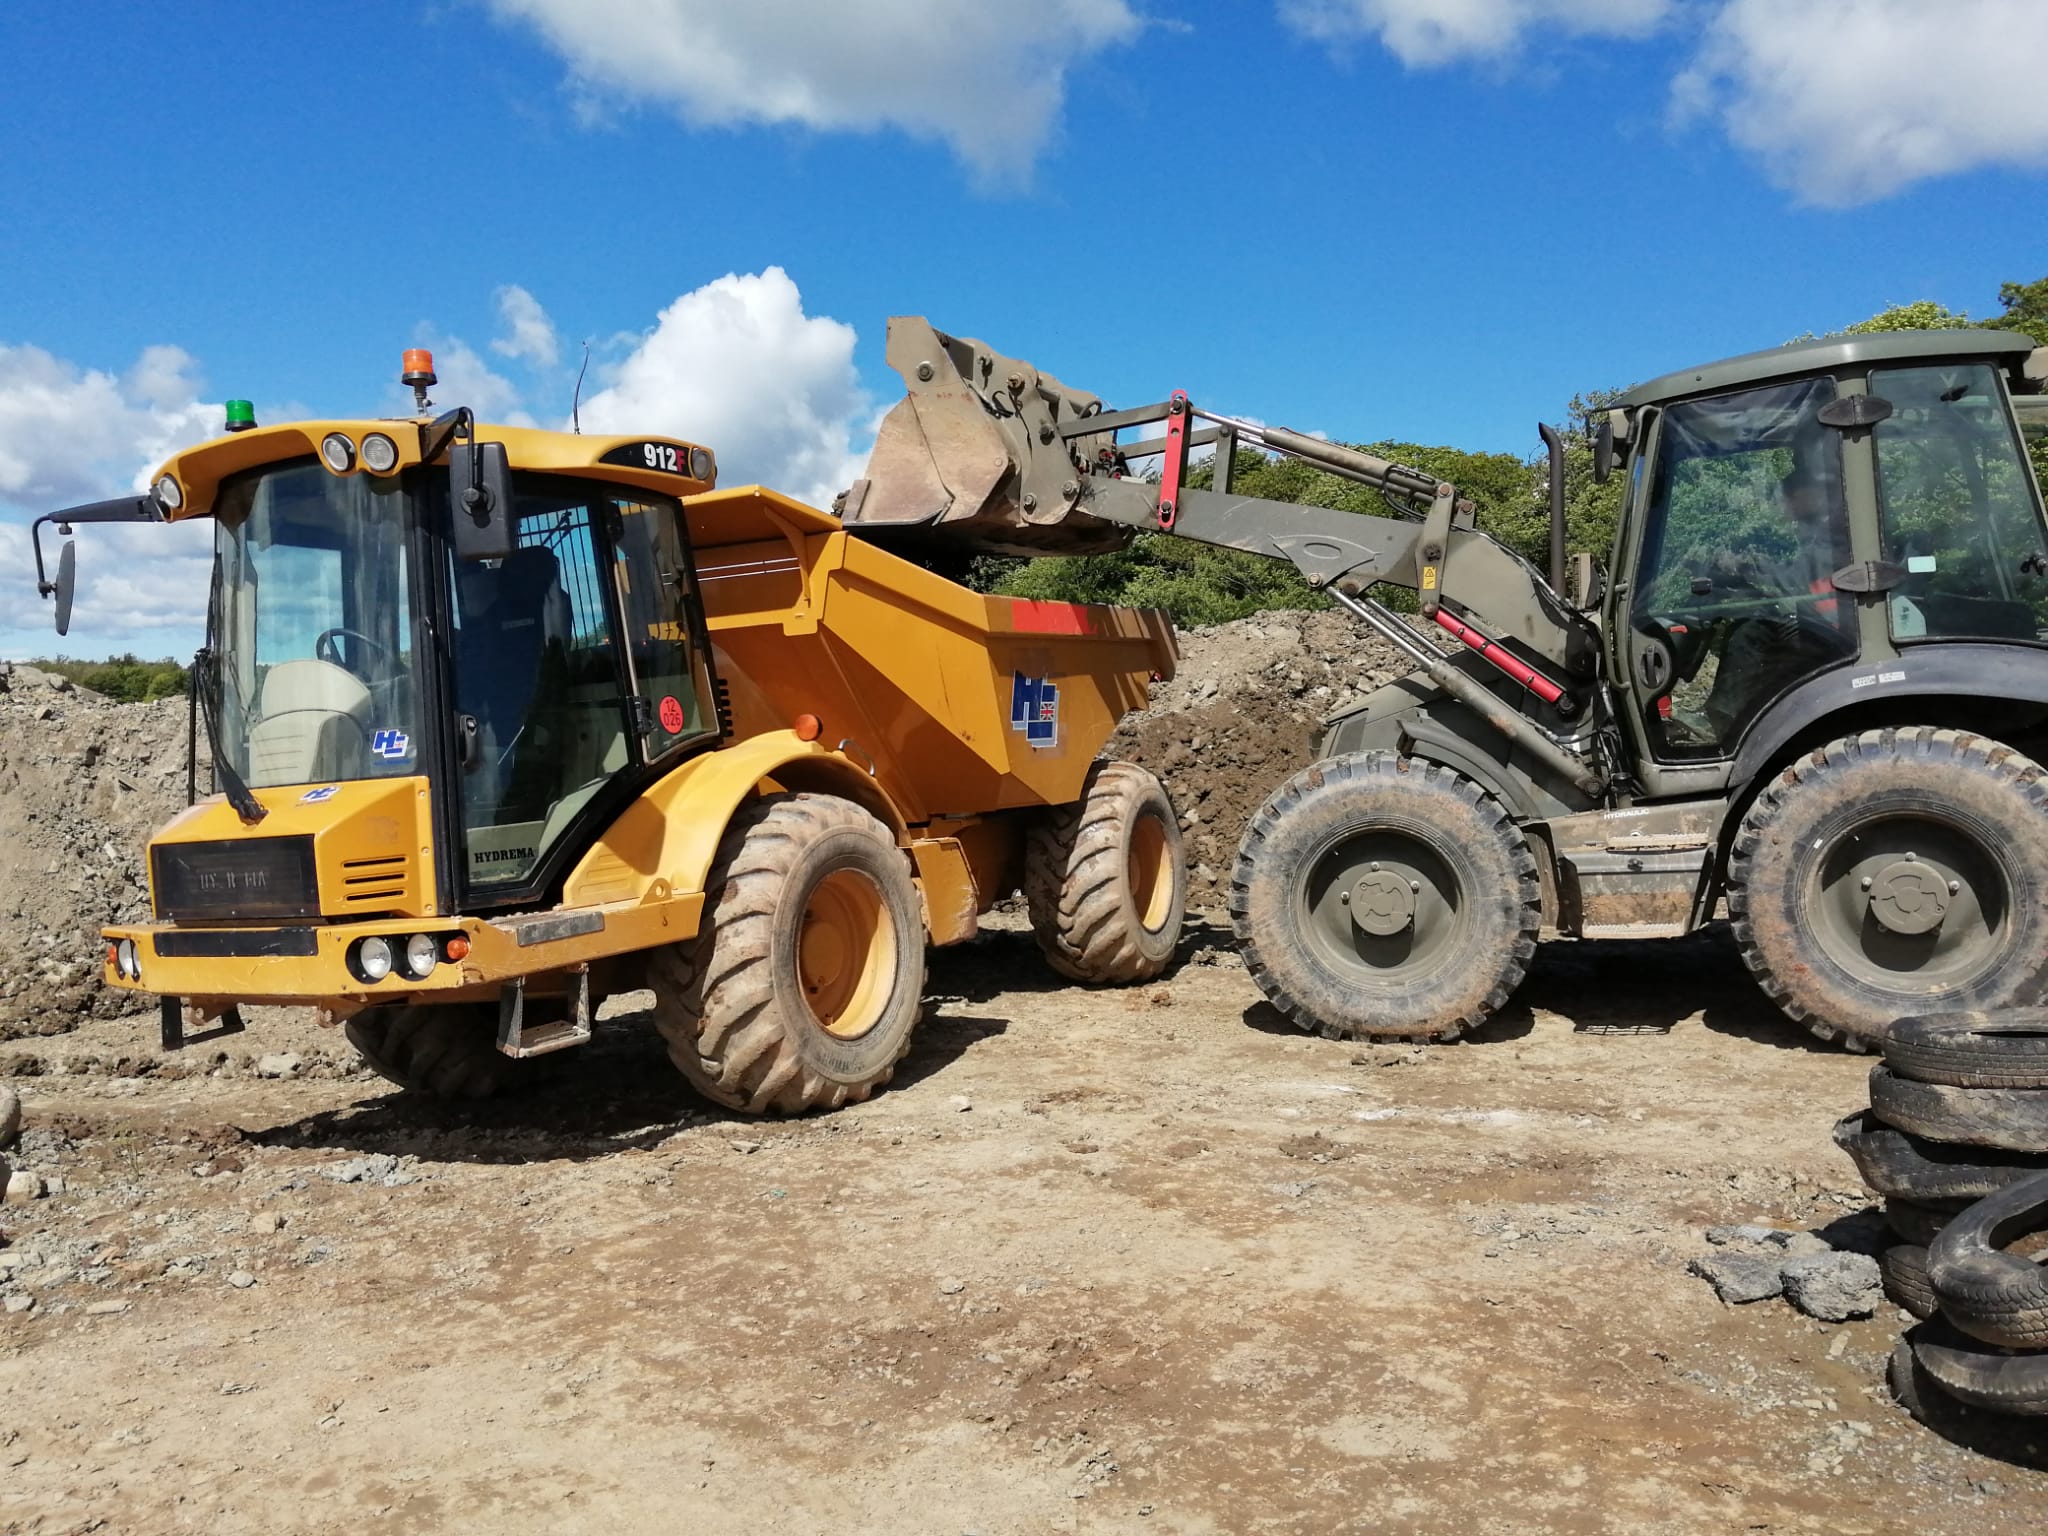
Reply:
x=308, y=964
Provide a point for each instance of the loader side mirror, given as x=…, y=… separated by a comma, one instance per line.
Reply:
x=480, y=501
x=66, y=583
x=1586, y=584
x=1603, y=451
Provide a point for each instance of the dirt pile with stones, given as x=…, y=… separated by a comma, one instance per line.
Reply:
x=83, y=783
x=1241, y=716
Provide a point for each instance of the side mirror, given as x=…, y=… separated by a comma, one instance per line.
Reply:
x=480, y=501
x=67, y=580
x=1587, y=584
x=1603, y=451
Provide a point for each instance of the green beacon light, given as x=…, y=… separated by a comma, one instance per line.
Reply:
x=241, y=416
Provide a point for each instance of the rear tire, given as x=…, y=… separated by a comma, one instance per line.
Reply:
x=1901, y=871
x=1384, y=897
x=802, y=986
x=1105, y=881
x=440, y=1051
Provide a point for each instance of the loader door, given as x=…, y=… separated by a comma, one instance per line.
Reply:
x=1733, y=599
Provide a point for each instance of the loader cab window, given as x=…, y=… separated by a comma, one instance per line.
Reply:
x=1958, y=509
x=1734, y=602
x=311, y=621
x=554, y=707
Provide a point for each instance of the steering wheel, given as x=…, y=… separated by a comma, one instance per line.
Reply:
x=326, y=650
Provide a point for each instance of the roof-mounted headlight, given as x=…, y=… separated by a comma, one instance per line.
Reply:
x=169, y=494
x=337, y=453
x=380, y=454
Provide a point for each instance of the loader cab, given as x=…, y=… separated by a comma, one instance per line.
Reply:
x=533, y=694
x=1821, y=508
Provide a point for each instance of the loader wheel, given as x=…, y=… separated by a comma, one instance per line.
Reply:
x=1901, y=871
x=441, y=1051
x=1378, y=896
x=801, y=988
x=1105, y=881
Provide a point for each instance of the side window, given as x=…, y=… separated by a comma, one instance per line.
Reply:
x=656, y=600
x=1958, y=509
x=539, y=677
x=1734, y=600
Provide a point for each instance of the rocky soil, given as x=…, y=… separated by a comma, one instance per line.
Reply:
x=1138, y=1261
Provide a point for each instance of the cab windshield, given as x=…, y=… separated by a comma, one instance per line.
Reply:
x=311, y=627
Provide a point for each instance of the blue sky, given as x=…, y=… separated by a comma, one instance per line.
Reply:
x=1352, y=216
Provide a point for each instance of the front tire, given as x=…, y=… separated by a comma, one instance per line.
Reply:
x=1901, y=871
x=440, y=1051
x=1384, y=897
x=803, y=984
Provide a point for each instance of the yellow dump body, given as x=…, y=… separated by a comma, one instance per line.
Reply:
x=962, y=702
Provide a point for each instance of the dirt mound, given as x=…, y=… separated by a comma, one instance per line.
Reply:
x=83, y=782
x=1241, y=716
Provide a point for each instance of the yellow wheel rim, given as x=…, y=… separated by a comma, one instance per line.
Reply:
x=1150, y=872
x=846, y=954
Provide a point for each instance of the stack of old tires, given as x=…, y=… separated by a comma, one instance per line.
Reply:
x=1956, y=1143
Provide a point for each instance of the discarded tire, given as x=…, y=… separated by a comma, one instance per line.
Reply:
x=1904, y=1266
x=2006, y=1049
x=1989, y=1294
x=801, y=989
x=2009, y=1119
x=1892, y=872
x=1920, y=1221
x=444, y=1051
x=1384, y=897
x=1979, y=1375
x=1105, y=881
x=1902, y=1166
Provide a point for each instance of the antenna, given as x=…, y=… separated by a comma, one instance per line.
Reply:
x=576, y=403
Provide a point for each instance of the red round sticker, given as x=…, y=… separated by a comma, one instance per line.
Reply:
x=672, y=715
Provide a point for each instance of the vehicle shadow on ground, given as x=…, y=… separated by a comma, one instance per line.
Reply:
x=617, y=1093
x=1001, y=960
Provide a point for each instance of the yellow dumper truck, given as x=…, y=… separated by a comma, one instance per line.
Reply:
x=505, y=721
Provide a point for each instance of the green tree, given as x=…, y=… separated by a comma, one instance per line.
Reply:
x=2026, y=309
x=126, y=678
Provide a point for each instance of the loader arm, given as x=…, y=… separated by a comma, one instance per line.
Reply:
x=987, y=453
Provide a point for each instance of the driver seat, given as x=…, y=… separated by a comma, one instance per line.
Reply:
x=309, y=726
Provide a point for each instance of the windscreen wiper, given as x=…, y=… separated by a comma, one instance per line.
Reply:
x=206, y=677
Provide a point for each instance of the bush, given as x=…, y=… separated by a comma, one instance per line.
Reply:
x=126, y=678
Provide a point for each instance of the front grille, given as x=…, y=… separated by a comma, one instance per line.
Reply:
x=239, y=878
x=368, y=881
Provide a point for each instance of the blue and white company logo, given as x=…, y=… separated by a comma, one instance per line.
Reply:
x=393, y=746
x=1035, y=709
x=315, y=796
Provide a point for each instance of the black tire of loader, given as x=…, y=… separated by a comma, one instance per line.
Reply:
x=1919, y=1222
x=442, y=1051
x=1899, y=1166
x=2006, y=1119
x=731, y=1002
x=1445, y=830
x=1105, y=879
x=1989, y=1294
x=1897, y=784
x=2003, y=1049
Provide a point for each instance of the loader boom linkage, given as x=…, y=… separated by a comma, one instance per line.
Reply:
x=987, y=453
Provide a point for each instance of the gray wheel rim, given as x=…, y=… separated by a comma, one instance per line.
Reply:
x=1380, y=859
x=1847, y=903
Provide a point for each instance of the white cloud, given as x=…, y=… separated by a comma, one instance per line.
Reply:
x=1425, y=33
x=1846, y=101
x=738, y=366
x=987, y=79
x=68, y=435
x=533, y=333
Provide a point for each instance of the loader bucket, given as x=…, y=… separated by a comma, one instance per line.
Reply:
x=975, y=456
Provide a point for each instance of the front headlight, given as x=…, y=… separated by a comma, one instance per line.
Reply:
x=126, y=961
x=337, y=453
x=373, y=958
x=422, y=954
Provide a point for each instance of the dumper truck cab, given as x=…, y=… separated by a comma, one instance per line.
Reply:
x=505, y=720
